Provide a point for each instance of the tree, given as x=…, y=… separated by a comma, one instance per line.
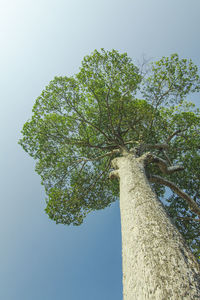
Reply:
x=111, y=122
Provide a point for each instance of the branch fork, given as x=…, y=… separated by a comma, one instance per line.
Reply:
x=162, y=164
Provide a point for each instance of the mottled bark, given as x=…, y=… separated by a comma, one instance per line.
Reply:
x=157, y=264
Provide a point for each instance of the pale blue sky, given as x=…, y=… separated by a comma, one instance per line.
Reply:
x=41, y=39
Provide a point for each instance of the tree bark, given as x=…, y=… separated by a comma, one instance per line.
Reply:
x=157, y=264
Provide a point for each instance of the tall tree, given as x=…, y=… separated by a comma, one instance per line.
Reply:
x=110, y=121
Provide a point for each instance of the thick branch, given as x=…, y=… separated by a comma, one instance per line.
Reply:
x=191, y=203
x=156, y=146
x=167, y=157
x=162, y=164
x=114, y=174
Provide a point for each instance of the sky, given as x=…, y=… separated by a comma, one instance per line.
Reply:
x=41, y=39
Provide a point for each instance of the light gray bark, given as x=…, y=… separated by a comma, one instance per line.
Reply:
x=157, y=264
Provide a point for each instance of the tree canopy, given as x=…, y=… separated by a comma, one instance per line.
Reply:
x=80, y=123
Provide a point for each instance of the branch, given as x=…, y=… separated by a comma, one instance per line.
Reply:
x=188, y=219
x=170, y=137
x=149, y=146
x=99, y=176
x=167, y=157
x=82, y=118
x=86, y=191
x=121, y=110
x=99, y=157
x=149, y=157
x=154, y=146
x=114, y=174
x=99, y=146
x=108, y=111
x=99, y=104
x=191, y=203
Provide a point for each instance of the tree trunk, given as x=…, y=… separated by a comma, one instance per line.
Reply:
x=157, y=264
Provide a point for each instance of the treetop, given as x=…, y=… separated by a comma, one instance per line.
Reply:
x=80, y=123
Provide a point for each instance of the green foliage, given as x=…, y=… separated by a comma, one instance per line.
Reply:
x=77, y=121
x=171, y=80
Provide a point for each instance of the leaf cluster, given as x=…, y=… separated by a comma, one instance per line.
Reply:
x=79, y=122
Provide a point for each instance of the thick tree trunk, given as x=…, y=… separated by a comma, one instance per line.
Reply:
x=157, y=264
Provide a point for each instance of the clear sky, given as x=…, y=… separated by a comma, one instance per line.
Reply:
x=40, y=39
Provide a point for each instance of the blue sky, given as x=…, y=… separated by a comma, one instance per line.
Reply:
x=41, y=39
